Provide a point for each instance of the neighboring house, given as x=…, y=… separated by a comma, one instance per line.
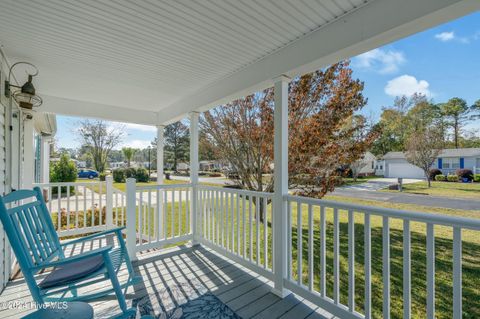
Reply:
x=448, y=161
x=135, y=164
x=115, y=165
x=214, y=165
x=78, y=164
x=81, y=164
x=369, y=161
x=380, y=167
x=182, y=167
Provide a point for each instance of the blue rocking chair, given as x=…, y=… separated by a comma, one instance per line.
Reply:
x=35, y=243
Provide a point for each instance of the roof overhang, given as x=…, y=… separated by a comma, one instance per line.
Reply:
x=364, y=26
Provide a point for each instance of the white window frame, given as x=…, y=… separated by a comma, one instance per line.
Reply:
x=451, y=162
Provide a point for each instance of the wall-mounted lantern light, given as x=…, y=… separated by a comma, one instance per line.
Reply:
x=24, y=95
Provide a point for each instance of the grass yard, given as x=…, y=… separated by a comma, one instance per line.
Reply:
x=443, y=246
x=444, y=189
x=123, y=186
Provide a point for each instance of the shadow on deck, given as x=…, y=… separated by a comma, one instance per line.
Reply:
x=172, y=277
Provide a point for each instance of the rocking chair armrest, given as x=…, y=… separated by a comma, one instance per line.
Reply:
x=92, y=236
x=61, y=262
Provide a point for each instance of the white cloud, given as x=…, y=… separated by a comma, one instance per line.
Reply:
x=445, y=36
x=381, y=61
x=140, y=144
x=407, y=85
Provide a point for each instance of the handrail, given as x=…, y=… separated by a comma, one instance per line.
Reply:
x=463, y=222
x=162, y=186
x=57, y=184
x=236, y=191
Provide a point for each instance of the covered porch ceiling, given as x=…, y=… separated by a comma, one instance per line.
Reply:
x=151, y=62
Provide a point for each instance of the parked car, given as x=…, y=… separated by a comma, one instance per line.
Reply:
x=87, y=173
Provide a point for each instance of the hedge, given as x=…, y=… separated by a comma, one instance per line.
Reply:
x=452, y=178
x=120, y=175
x=441, y=178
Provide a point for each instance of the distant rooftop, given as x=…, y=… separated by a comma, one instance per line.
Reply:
x=448, y=152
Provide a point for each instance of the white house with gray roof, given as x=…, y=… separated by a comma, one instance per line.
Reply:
x=448, y=162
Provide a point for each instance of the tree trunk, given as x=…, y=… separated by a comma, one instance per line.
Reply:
x=456, y=132
x=428, y=181
x=260, y=203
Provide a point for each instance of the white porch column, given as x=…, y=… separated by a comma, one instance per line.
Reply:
x=45, y=159
x=280, y=184
x=109, y=200
x=28, y=153
x=194, y=175
x=131, y=218
x=160, y=146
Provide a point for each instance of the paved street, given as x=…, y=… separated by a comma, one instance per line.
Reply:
x=379, y=183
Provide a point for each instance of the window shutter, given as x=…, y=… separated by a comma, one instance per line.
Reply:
x=462, y=162
x=440, y=163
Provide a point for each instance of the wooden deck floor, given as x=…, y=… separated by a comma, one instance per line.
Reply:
x=174, y=276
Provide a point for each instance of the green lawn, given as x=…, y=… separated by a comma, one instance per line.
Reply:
x=447, y=189
x=443, y=246
x=123, y=186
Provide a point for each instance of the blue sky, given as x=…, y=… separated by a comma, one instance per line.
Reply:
x=442, y=62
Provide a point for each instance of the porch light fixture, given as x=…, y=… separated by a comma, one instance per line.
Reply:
x=24, y=95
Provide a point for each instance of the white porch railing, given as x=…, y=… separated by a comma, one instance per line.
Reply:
x=329, y=215
x=79, y=207
x=162, y=215
x=238, y=224
x=323, y=265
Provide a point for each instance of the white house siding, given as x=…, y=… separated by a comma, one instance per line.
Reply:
x=3, y=242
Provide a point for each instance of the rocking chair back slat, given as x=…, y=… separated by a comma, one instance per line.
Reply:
x=30, y=236
x=42, y=232
x=30, y=224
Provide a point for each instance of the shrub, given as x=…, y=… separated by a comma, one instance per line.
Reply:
x=465, y=173
x=130, y=172
x=119, y=175
x=476, y=178
x=452, y=178
x=214, y=175
x=142, y=175
x=433, y=173
x=103, y=176
x=441, y=178
x=63, y=171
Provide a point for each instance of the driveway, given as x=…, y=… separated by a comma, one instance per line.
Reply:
x=378, y=183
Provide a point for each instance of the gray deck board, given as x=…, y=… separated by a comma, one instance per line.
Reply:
x=172, y=277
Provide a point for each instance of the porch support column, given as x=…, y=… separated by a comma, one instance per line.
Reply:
x=194, y=176
x=280, y=184
x=160, y=146
x=45, y=159
x=28, y=152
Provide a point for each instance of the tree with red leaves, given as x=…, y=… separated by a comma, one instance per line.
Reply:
x=325, y=134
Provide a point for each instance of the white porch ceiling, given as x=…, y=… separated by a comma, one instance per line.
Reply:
x=152, y=61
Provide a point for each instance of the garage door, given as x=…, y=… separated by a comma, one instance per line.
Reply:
x=404, y=170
